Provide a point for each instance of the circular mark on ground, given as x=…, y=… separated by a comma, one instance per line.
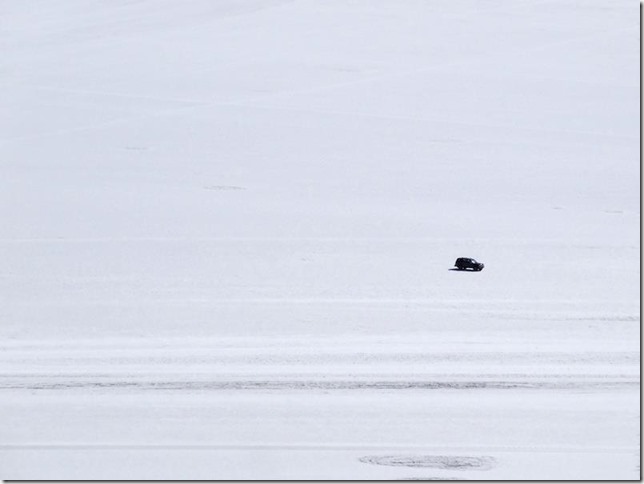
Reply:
x=431, y=479
x=450, y=462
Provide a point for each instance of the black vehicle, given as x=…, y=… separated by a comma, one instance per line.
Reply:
x=463, y=263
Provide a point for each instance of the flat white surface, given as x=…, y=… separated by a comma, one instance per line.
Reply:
x=227, y=229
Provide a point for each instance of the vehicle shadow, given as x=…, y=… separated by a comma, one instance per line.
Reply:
x=462, y=270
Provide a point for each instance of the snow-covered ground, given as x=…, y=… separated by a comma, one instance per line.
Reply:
x=228, y=227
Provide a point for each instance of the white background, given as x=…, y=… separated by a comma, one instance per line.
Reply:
x=227, y=229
